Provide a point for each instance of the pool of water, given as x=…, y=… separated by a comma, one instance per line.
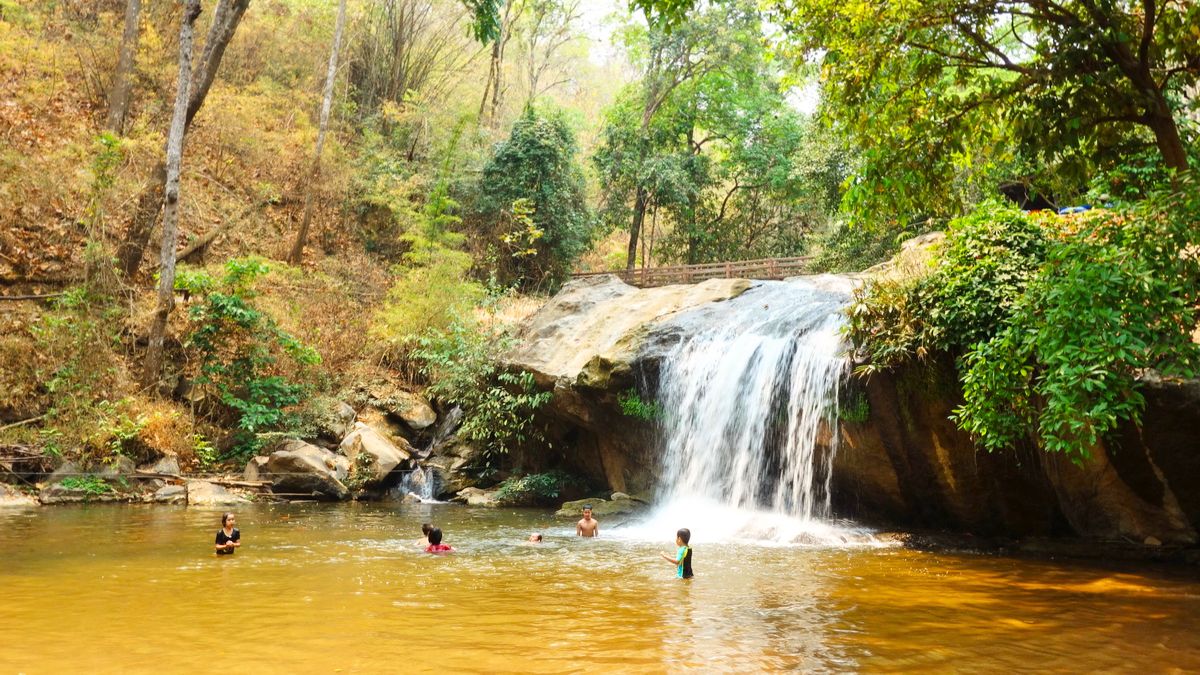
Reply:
x=345, y=588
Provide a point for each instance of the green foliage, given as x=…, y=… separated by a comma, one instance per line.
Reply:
x=92, y=486
x=1055, y=318
x=982, y=269
x=462, y=364
x=633, y=405
x=77, y=339
x=204, y=452
x=705, y=155
x=433, y=283
x=1117, y=297
x=193, y=280
x=854, y=408
x=944, y=98
x=989, y=257
x=116, y=430
x=535, y=489
x=239, y=350
x=533, y=195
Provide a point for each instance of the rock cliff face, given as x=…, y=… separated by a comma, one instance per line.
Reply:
x=906, y=464
x=586, y=346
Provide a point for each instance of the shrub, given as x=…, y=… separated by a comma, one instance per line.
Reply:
x=1118, y=296
x=983, y=267
x=92, y=486
x=461, y=363
x=536, y=489
x=240, y=351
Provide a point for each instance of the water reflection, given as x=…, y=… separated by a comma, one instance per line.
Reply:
x=345, y=588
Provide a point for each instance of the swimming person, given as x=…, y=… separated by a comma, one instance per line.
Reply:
x=228, y=537
x=535, y=538
x=425, y=529
x=587, y=525
x=683, y=557
x=435, y=542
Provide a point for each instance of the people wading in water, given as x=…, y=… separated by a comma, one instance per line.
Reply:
x=228, y=537
x=587, y=525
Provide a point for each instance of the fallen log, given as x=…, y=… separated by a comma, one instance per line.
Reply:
x=225, y=482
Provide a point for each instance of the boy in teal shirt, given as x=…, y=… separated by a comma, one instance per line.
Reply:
x=683, y=557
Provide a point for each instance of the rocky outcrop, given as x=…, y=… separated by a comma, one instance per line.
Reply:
x=9, y=496
x=405, y=406
x=372, y=456
x=474, y=496
x=299, y=470
x=203, y=493
x=908, y=464
x=905, y=465
x=170, y=494
x=620, y=504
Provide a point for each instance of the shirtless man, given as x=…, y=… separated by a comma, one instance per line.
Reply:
x=587, y=526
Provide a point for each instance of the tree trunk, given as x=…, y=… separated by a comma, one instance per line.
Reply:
x=225, y=21
x=493, y=81
x=635, y=228
x=297, y=252
x=1166, y=136
x=118, y=97
x=166, y=280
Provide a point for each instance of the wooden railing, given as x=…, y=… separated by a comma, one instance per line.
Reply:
x=766, y=268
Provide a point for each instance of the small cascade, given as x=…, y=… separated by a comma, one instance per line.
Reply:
x=749, y=391
x=419, y=482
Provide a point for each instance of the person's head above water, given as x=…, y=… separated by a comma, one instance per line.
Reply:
x=684, y=535
x=587, y=510
x=435, y=536
x=536, y=537
x=426, y=528
x=228, y=519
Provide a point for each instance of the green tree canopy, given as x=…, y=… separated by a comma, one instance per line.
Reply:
x=533, y=201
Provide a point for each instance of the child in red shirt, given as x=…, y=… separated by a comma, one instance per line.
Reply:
x=435, y=542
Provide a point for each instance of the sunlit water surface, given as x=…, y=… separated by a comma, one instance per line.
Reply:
x=345, y=588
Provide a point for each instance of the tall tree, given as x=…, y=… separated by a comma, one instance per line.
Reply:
x=322, y=125
x=547, y=30
x=672, y=56
x=226, y=18
x=533, y=201
x=122, y=87
x=495, y=86
x=166, y=280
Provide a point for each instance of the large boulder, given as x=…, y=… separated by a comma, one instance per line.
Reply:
x=411, y=409
x=474, y=496
x=204, y=493
x=373, y=456
x=9, y=496
x=621, y=505
x=167, y=464
x=300, y=469
x=170, y=494
x=332, y=420
x=256, y=469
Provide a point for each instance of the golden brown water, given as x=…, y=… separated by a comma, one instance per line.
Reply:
x=323, y=589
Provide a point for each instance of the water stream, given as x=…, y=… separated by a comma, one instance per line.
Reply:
x=748, y=391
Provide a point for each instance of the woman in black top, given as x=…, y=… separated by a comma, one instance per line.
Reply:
x=228, y=537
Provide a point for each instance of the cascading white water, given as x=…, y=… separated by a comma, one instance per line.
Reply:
x=749, y=399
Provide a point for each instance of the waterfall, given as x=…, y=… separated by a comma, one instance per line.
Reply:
x=748, y=394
